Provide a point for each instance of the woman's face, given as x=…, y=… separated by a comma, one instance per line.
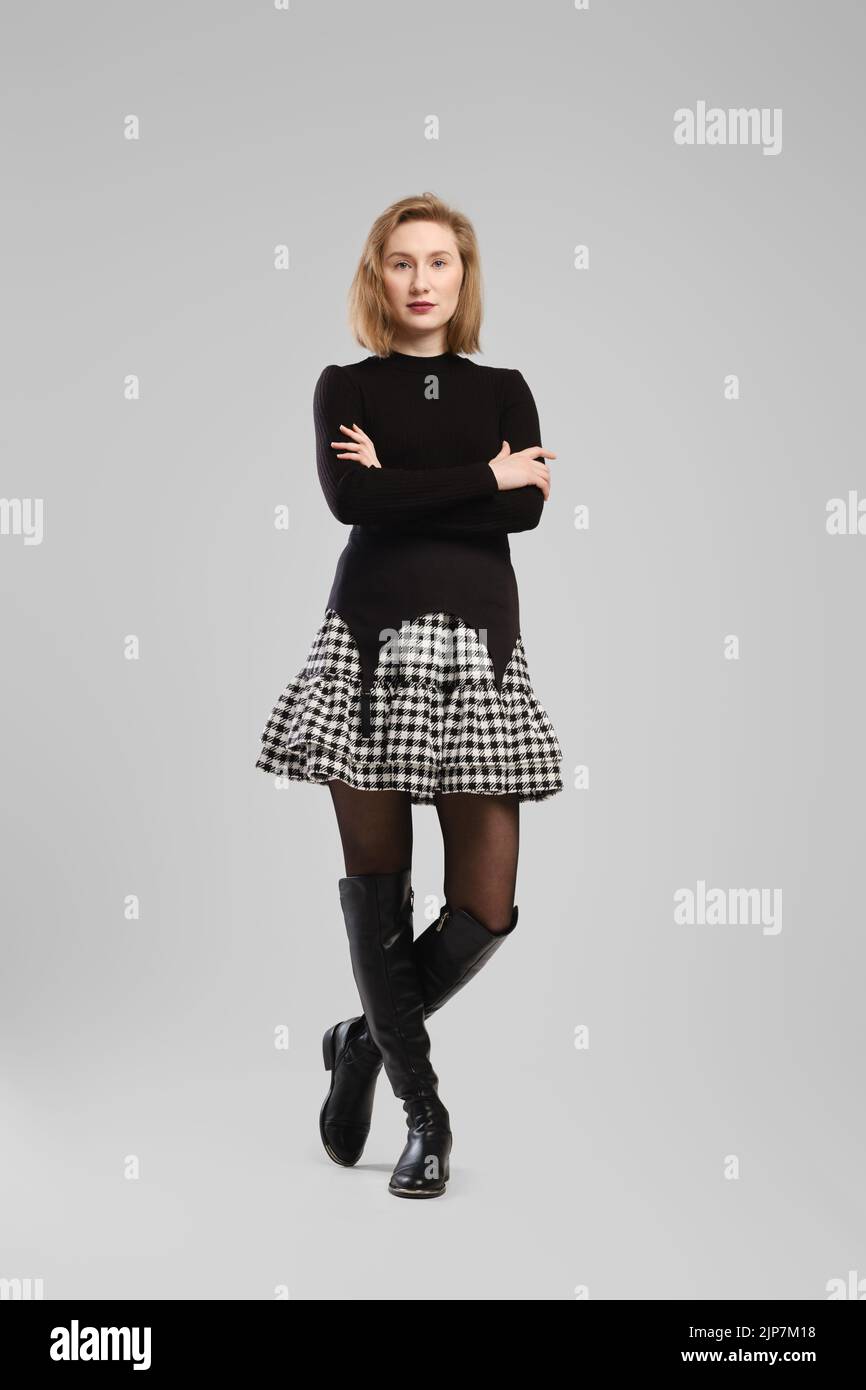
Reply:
x=421, y=261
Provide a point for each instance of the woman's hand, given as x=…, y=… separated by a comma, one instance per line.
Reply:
x=363, y=450
x=516, y=470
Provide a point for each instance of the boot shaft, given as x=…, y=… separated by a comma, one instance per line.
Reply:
x=377, y=909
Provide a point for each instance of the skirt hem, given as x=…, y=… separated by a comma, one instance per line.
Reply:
x=422, y=790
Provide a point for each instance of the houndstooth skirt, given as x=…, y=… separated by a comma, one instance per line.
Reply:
x=437, y=721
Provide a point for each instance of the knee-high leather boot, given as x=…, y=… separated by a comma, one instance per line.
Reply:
x=449, y=954
x=378, y=913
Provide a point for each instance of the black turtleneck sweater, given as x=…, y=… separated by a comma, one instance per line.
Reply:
x=430, y=527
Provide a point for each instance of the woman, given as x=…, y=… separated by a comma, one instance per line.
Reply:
x=416, y=689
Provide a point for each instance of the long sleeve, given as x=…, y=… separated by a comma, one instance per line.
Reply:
x=512, y=509
x=509, y=509
x=389, y=496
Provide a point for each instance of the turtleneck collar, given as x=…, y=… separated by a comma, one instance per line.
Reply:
x=412, y=363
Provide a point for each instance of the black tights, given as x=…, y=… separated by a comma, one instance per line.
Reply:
x=480, y=836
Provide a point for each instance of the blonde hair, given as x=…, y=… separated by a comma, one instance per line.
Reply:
x=369, y=315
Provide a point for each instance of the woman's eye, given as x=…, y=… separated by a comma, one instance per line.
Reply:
x=397, y=264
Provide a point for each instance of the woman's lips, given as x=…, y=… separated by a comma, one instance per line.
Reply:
x=421, y=308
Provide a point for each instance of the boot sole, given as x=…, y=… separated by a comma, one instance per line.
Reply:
x=407, y=1192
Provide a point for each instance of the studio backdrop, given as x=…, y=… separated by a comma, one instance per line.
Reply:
x=669, y=203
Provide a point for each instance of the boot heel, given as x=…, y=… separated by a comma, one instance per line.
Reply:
x=328, y=1050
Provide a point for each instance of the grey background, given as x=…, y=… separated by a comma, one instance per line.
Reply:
x=602, y=1167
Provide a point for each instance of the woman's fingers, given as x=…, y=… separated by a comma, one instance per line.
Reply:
x=344, y=443
x=543, y=474
x=357, y=454
x=359, y=447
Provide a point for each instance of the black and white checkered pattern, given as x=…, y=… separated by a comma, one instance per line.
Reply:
x=437, y=721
